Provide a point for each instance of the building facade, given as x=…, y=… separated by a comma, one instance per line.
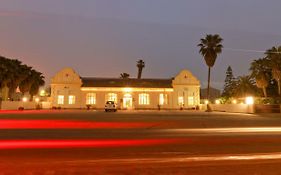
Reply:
x=69, y=90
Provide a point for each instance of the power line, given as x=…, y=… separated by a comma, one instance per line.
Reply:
x=244, y=50
x=248, y=50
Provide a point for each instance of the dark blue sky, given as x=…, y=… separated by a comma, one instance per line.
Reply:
x=106, y=37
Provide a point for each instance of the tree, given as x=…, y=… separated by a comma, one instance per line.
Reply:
x=14, y=74
x=244, y=86
x=32, y=83
x=228, y=83
x=124, y=75
x=274, y=56
x=210, y=47
x=140, y=65
x=260, y=74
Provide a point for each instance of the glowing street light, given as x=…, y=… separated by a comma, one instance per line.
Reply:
x=234, y=101
x=218, y=102
x=206, y=102
x=24, y=99
x=249, y=100
x=37, y=100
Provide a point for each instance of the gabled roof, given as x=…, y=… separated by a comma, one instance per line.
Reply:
x=131, y=82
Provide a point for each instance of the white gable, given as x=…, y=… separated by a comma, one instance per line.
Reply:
x=185, y=77
x=66, y=76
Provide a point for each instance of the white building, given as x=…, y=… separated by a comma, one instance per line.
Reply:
x=69, y=90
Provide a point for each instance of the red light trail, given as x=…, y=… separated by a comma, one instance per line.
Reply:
x=70, y=124
x=45, y=144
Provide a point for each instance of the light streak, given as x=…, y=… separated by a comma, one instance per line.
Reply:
x=70, y=124
x=191, y=159
x=47, y=144
x=228, y=130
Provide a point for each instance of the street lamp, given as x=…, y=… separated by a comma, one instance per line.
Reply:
x=37, y=100
x=24, y=99
x=249, y=100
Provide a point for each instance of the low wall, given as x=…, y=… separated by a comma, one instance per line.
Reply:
x=46, y=105
x=14, y=105
x=239, y=108
x=267, y=108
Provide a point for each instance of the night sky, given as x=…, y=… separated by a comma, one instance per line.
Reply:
x=104, y=38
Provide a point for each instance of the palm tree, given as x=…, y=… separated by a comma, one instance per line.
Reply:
x=244, y=86
x=210, y=47
x=260, y=73
x=124, y=75
x=140, y=65
x=274, y=56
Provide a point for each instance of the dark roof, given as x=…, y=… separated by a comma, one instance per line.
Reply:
x=131, y=82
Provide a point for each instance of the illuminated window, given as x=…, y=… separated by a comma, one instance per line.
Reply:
x=91, y=99
x=144, y=99
x=112, y=97
x=71, y=99
x=181, y=101
x=190, y=101
x=60, y=99
x=163, y=99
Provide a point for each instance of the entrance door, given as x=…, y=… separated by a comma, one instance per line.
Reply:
x=128, y=101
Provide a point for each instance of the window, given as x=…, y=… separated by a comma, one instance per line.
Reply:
x=163, y=99
x=112, y=97
x=71, y=99
x=60, y=99
x=181, y=101
x=91, y=99
x=144, y=99
x=190, y=101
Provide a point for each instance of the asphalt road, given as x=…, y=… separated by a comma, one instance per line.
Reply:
x=139, y=142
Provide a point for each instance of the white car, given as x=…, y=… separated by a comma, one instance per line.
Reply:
x=110, y=106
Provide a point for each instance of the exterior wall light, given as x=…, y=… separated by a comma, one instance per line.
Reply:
x=249, y=100
x=37, y=100
x=24, y=99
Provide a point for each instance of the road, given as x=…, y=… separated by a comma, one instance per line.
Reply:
x=139, y=142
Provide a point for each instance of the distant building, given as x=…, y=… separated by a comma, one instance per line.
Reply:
x=69, y=90
x=214, y=93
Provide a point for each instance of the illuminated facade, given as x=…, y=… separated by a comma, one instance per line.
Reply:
x=69, y=90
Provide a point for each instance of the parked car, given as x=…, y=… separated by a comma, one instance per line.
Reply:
x=110, y=106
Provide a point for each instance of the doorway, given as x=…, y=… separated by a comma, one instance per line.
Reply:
x=127, y=101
